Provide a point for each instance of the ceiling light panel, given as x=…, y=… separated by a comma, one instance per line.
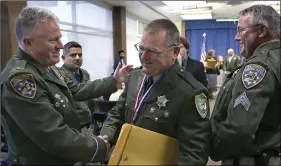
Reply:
x=184, y=3
x=270, y=2
x=196, y=16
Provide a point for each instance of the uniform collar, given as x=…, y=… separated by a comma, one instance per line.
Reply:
x=26, y=57
x=67, y=68
x=270, y=45
x=164, y=85
x=169, y=77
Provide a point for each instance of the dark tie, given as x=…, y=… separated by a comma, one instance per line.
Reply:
x=51, y=72
x=148, y=84
x=77, y=77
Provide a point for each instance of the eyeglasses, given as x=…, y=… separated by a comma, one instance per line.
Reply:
x=240, y=30
x=152, y=51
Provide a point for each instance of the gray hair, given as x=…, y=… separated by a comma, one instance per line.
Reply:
x=265, y=15
x=172, y=33
x=230, y=50
x=28, y=21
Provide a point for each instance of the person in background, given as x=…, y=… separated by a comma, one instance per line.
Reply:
x=196, y=68
x=232, y=61
x=246, y=118
x=120, y=59
x=38, y=112
x=211, y=73
x=220, y=67
x=175, y=104
x=73, y=60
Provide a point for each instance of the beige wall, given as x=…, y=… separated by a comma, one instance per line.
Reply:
x=181, y=27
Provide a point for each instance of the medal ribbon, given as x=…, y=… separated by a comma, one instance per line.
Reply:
x=139, y=100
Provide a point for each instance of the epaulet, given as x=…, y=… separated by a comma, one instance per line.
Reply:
x=188, y=78
x=21, y=64
x=20, y=67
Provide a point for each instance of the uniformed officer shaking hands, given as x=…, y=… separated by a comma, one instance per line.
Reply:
x=38, y=111
x=163, y=98
x=246, y=118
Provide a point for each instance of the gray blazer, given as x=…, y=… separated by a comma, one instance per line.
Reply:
x=233, y=64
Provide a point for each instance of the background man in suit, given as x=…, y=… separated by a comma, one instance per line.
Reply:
x=232, y=61
x=73, y=60
x=196, y=68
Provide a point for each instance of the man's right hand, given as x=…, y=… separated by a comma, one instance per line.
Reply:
x=106, y=140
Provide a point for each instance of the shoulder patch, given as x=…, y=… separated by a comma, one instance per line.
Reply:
x=24, y=85
x=201, y=105
x=252, y=75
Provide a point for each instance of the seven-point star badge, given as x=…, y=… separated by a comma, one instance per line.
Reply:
x=161, y=101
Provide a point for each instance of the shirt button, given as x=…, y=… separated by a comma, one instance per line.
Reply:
x=152, y=109
x=156, y=119
x=264, y=154
x=166, y=114
x=57, y=104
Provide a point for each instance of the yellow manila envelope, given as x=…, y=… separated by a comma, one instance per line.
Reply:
x=139, y=146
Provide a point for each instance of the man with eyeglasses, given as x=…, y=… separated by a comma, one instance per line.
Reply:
x=164, y=98
x=246, y=116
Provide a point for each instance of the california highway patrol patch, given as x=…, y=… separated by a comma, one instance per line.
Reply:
x=201, y=105
x=252, y=75
x=24, y=85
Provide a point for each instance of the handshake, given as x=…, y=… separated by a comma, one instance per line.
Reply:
x=106, y=141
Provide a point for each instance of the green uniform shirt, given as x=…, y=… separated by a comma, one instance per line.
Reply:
x=177, y=107
x=39, y=117
x=246, y=116
x=82, y=107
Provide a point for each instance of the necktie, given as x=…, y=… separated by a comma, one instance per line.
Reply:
x=77, y=77
x=148, y=84
x=51, y=72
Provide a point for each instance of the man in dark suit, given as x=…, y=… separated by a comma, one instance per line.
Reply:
x=196, y=68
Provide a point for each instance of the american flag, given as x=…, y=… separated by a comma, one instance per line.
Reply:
x=203, y=49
